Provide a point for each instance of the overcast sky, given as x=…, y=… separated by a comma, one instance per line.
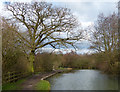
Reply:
x=86, y=12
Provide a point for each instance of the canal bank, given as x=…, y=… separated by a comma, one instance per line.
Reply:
x=43, y=84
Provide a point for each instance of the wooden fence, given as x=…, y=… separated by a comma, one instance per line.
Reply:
x=10, y=77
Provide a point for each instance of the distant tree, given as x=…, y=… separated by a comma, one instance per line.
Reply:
x=105, y=34
x=44, y=25
x=70, y=59
x=43, y=64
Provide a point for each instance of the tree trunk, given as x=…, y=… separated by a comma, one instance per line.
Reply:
x=32, y=59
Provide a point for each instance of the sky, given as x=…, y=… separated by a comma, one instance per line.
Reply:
x=86, y=12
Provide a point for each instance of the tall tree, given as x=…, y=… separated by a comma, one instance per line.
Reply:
x=105, y=39
x=105, y=34
x=44, y=25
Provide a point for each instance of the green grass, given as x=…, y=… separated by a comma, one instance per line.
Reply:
x=13, y=86
x=42, y=85
x=61, y=68
x=64, y=69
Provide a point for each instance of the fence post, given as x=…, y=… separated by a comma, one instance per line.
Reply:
x=9, y=76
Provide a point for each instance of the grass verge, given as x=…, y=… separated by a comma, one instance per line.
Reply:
x=42, y=85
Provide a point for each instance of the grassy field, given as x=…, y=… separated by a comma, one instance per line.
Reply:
x=42, y=85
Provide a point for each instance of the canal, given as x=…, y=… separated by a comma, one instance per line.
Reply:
x=83, y=80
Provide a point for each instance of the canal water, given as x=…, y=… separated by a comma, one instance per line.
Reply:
x=83, y=80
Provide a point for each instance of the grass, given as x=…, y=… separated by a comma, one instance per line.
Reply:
x=13, y=86
x=61, y=68
x=42, y=85
x=64, y=69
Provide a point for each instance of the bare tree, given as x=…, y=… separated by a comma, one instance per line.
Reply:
x=105, y=39
x=45, y=25
x=105, y=34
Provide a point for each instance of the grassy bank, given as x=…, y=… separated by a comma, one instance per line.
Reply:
x=42, y=85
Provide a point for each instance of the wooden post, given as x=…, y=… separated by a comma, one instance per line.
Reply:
x=9, y=76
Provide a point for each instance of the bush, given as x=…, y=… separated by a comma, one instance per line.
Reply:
x=15, y=61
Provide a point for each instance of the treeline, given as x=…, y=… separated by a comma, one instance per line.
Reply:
x=47, y=62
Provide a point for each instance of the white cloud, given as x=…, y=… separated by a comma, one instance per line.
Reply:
x=67, y=50
x=86, y=24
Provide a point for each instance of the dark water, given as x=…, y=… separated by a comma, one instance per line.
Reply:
x=83, y=80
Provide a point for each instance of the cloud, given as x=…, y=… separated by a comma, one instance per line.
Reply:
x=64, y=51
x=86, y=24
x=83, y=47
x=88, y=11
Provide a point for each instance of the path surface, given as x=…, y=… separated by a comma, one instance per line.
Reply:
x=30, y=83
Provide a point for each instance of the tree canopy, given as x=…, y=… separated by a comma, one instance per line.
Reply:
x=44, y=24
